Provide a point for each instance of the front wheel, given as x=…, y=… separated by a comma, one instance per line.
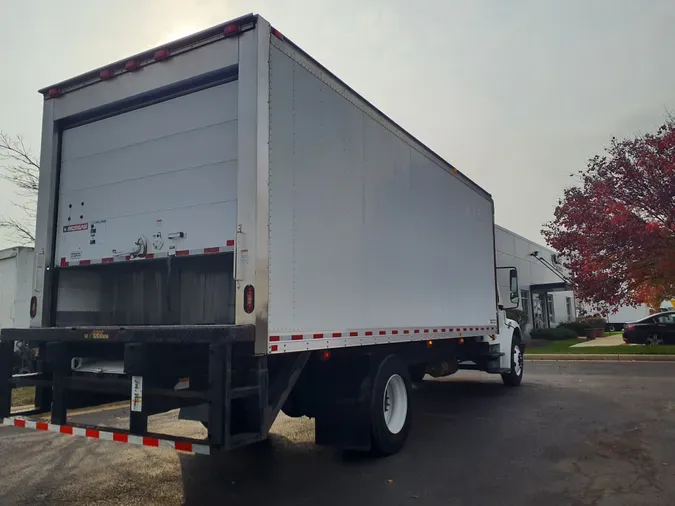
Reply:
x=653, y=340
x=514, y=377
x=390, y=406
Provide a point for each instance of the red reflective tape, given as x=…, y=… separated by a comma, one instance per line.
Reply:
x=19, y=423
x=471, y=329
x=275, y=338
x=369, y=333
x=150, y=441
x=449, y=330
x=383, y=332
x=182, y=253
x=394, y=331
x=464, y=329
x=42, y=426
x=120, y=438
x=183, y=446
x=417, y=331
x=337, y=334
x=353, y=334
x=150, y=256
x=230, y=243
x=296, y=337
x=426, y=331
x=406, y=332
x=92, y=433
x=127, y=257
x=85, y=262
x=435, y=330
x=107, y=260
x=65, y=429
x=442, y=330
x=274, y=347
x=317, y=336
x=64, y=262
x=211, y=250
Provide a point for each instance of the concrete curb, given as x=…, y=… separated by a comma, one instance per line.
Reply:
x=599, y=358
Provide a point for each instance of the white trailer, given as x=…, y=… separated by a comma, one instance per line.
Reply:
x=226, y=227
x=629, y=314
x=16, y=286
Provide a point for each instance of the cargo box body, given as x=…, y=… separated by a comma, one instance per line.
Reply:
x=172, y=183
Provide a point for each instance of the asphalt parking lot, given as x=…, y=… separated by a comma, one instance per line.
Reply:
x=580, y=434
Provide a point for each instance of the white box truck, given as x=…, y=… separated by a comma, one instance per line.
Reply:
x=227, y=228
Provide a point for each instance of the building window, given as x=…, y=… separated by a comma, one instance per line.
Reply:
x=568, y=305
x=551, y=310
x=525, y=302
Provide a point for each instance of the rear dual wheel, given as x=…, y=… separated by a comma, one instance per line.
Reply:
x=390, y=406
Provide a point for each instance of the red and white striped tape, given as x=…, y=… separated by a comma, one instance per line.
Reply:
x=163, y=254
x=277, y=342
x=118, y=437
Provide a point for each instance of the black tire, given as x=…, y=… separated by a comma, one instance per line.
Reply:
x=384, y=441
x=514, y=377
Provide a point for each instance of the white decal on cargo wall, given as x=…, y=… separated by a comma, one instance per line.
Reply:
x=137, y=393
x=96, y=230
x=75, y=255
x=76, y=228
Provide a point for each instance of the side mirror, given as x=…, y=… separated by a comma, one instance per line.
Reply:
x=514, y=294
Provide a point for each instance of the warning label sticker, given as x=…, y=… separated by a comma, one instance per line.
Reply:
x=76, y=228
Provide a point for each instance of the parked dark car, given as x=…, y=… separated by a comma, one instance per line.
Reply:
x=654, y=329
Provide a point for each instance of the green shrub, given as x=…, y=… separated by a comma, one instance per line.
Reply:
x=595, y=322
x=578, y=327
x=556, y=334
x=518, y=315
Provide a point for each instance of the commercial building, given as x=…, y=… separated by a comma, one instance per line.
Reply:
x=546, y=295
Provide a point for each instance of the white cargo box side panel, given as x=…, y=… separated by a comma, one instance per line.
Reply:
x=9, y=274
x=366, y=231
x=156, y=172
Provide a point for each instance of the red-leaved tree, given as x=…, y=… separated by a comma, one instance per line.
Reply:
x=616, y=229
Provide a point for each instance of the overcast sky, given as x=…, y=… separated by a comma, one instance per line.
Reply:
x=517, y=94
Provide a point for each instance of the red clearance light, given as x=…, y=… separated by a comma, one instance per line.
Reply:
x=161, y=54
x=33, y=306
x=131, y=65
x=232, y=29
x=249, y=299
x=106, y=74
x=277, y=34
x=54, y=92
x=325, y=355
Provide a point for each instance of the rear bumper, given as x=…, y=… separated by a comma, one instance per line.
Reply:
x=156, y=360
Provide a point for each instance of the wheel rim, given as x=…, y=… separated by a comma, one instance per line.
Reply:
x=395, y=404
x=517, y=360
x=654, y=339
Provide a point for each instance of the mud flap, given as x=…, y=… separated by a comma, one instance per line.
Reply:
x=346, y=422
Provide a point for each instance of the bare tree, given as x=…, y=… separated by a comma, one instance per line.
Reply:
x=20, y=167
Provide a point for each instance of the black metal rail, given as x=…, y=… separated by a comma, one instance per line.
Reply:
x=223, y=374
